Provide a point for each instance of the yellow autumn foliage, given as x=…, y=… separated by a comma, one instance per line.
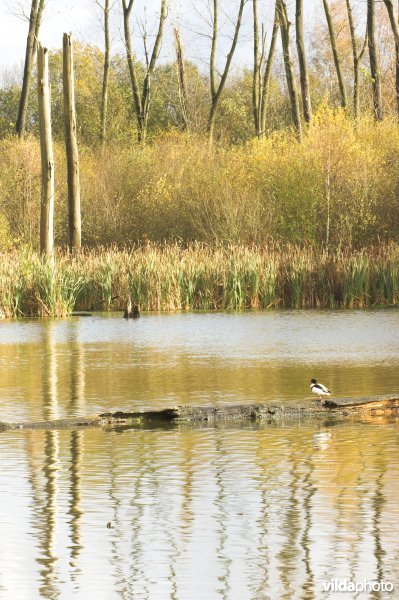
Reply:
x=337, y=188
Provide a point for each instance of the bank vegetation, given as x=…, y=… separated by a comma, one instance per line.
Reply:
x=198, y=276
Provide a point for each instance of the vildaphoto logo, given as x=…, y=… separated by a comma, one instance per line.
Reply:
x=357, y=587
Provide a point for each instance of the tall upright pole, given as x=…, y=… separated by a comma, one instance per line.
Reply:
x=71, y=146
x=35, y=18
x=46, y=151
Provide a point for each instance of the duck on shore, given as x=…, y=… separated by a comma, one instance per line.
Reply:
x=131, y=311
x=319, y=389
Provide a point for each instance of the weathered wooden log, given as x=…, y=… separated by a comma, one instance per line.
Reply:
x=339, y=407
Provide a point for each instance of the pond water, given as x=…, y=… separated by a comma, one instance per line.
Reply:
x=195, y=512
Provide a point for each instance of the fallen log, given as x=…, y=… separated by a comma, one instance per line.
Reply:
x=339, y=407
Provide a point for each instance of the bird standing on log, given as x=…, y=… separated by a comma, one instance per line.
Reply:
x=319, y=389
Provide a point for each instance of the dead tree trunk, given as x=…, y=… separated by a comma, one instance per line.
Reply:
x=104, y=92
x=289, y=70
x=181, y=73
x=357, y=59
x=395, y=31
x=33, y=33
x=374, y=68
x=142, y=100
x=217, y=90
x=303, y=69
x=71, y=146
x=47, y=159
x=337, y=62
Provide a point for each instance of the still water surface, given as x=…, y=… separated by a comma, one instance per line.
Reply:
x=233, y=512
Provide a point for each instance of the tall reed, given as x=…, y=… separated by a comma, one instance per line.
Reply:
x=198, y=276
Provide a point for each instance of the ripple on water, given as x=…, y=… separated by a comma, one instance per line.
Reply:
x=196, y=512
x=206, y=512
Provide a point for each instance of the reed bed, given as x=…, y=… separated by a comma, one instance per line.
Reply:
x=198, y=277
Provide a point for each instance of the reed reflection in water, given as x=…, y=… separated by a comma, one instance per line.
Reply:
x=260, y=512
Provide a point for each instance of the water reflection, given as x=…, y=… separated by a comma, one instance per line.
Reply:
x=260, y=512
x=265, y=511
x=45, y=475
x=309, y=489
x=75, y=512
x=100, y=364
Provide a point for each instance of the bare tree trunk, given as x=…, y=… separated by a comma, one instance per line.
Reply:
x=37, y=26
x=392, y=19
x=146, y=94
x=127, y=9
x=397, y=76
x=256, y=71
x=395, y=30
x=216, y=90
x=337, y=62
x=268, y=71
x=71, y=147
x=142, y=101
x=104, y=93
x=181, y=71
x=33, y=33
x=357, y=59
x=397, y=73
x=289, y=71
x=374, y=68
x=303, y=69
x=47, y=159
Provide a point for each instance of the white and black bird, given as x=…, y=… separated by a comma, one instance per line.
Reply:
x=319, y=389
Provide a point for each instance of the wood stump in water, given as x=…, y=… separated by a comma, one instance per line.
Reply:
x=131, y=311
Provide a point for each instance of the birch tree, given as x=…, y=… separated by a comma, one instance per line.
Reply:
x=105, y=9
x=303, y=69
x=289, y=69
x=357, y=59
x=374, y=67
x=262, y=69
x=217, y=88
x=142, y=97
x=395, y=30
x=182, y=80
x=337, y=62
